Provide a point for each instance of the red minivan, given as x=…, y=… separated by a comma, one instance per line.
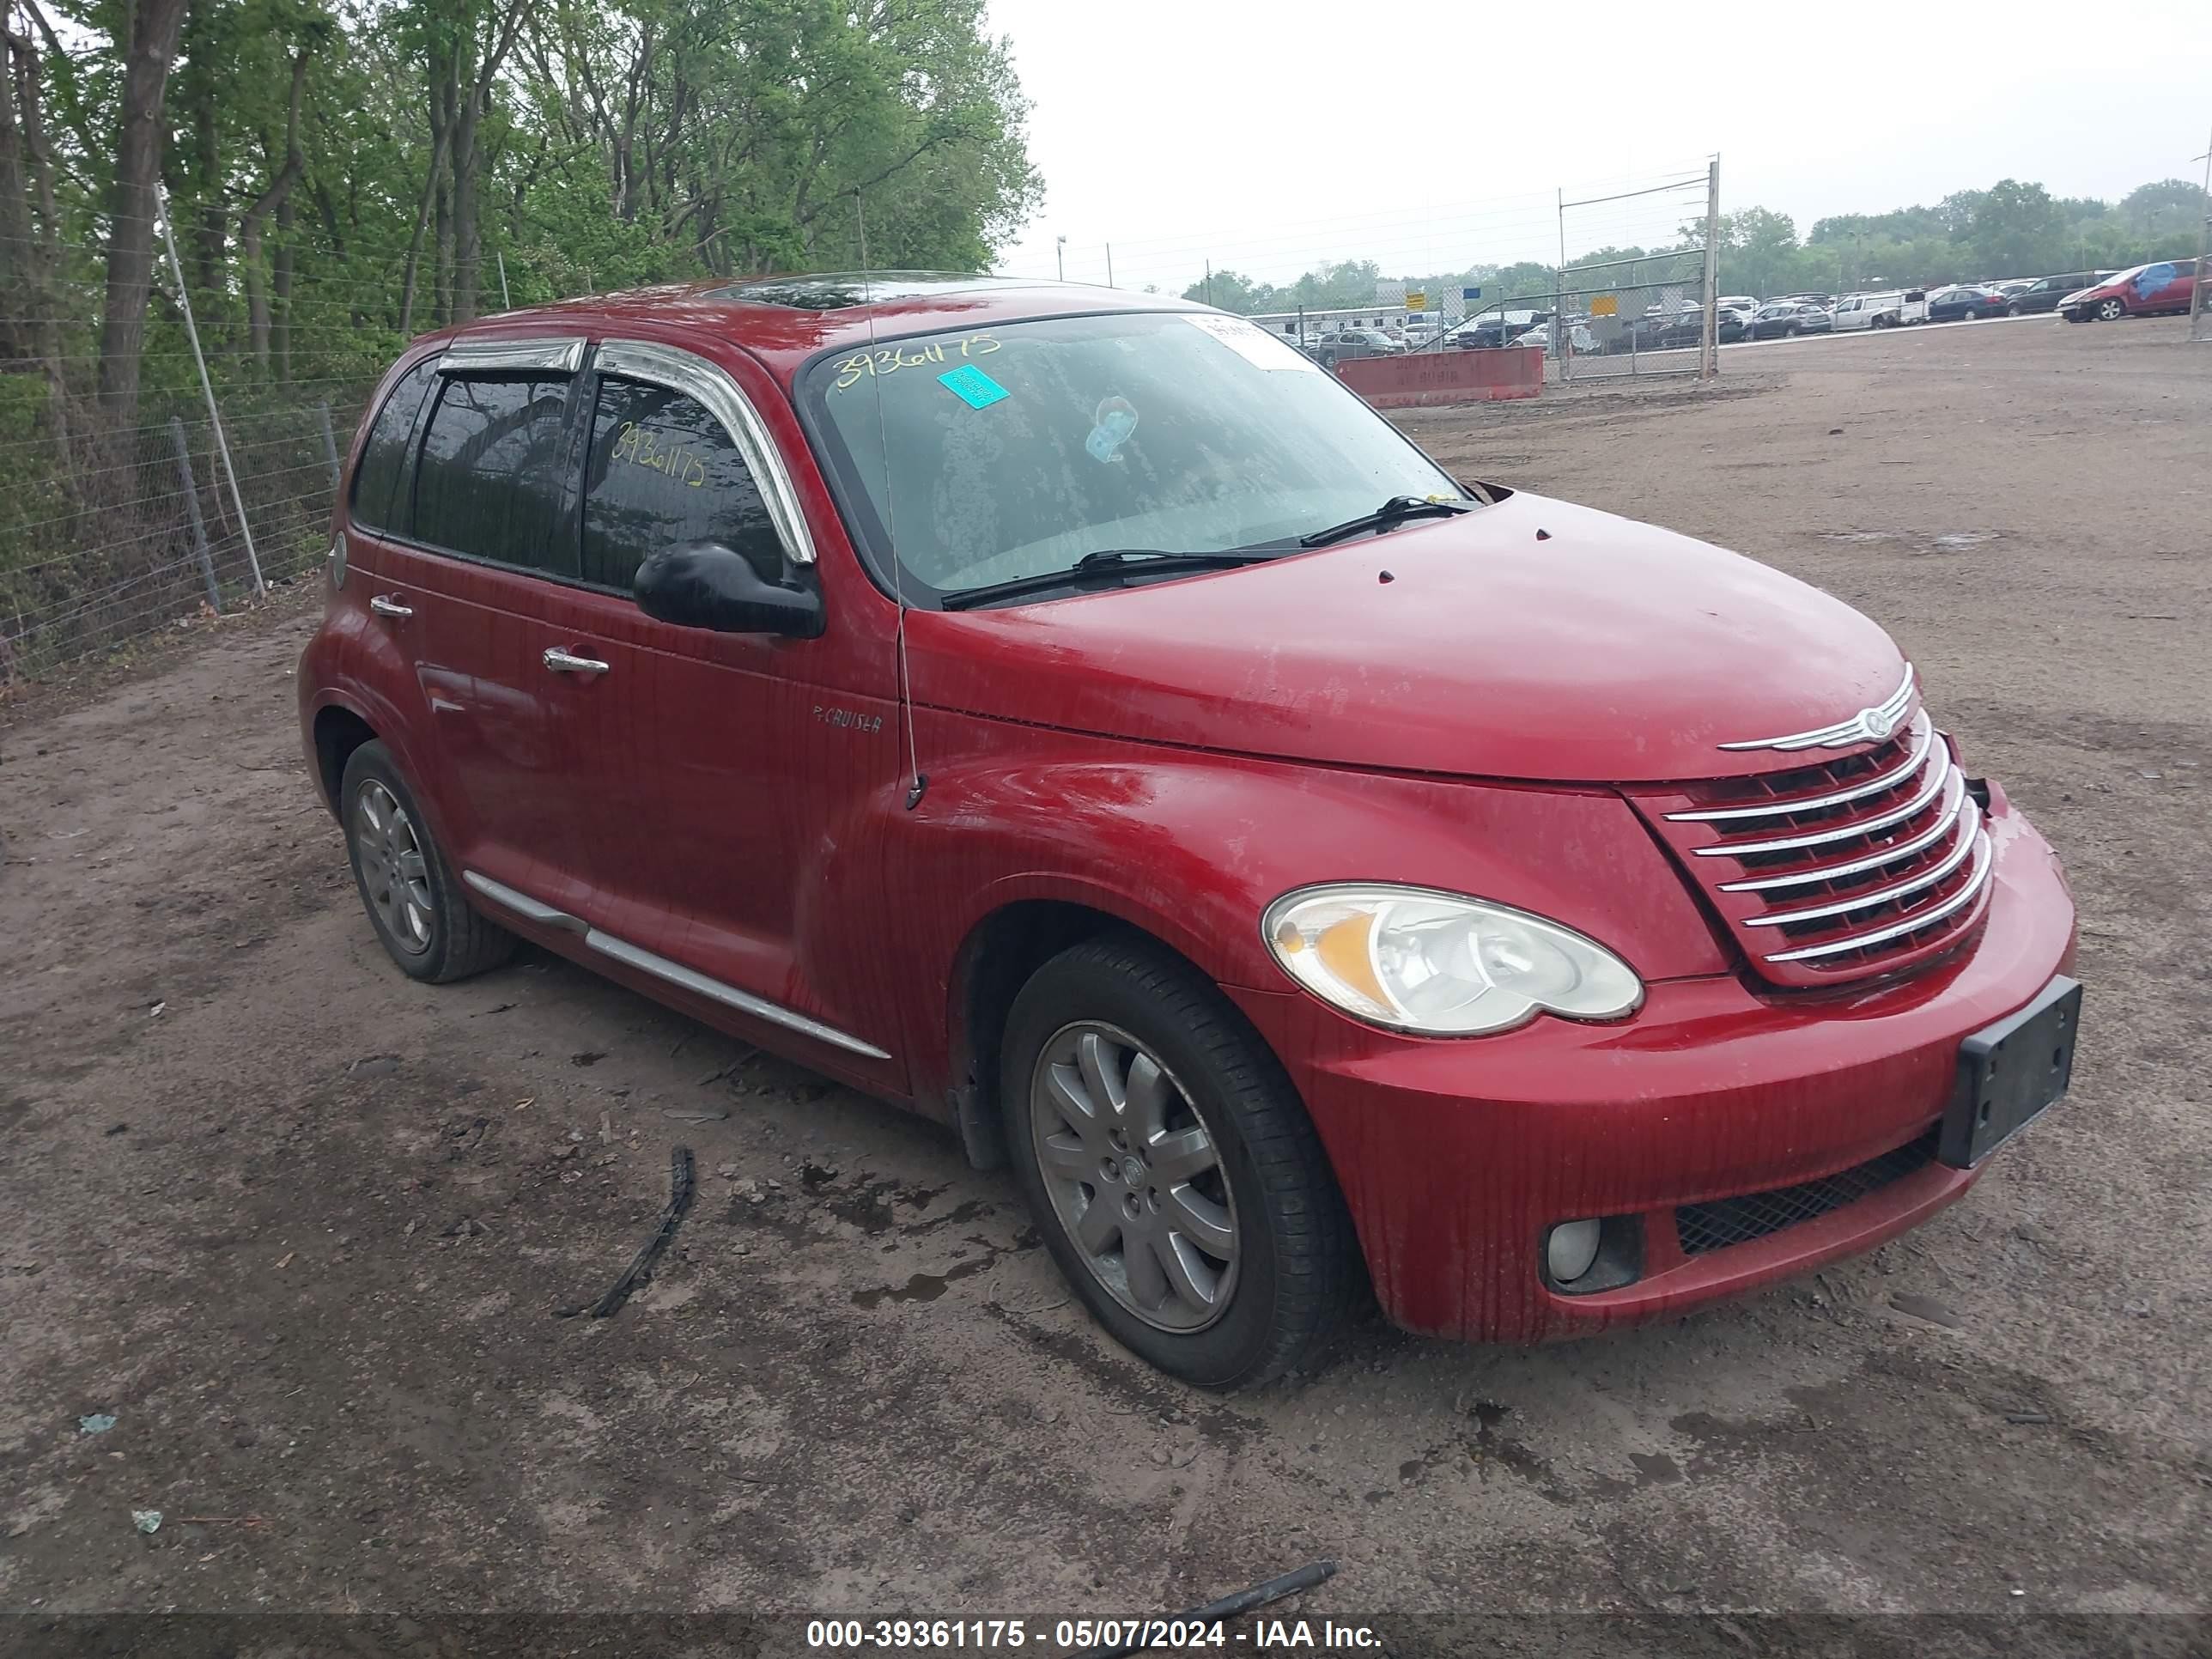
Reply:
x=1074, y=716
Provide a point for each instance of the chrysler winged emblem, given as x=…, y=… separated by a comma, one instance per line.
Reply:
x=1868, y=725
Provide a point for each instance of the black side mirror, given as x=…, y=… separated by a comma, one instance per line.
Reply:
x=707, y=584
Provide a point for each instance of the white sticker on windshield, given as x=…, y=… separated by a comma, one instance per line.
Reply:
x=1252, y=343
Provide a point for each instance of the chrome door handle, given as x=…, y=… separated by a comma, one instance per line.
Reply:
x=567, y=662
x=390, y=607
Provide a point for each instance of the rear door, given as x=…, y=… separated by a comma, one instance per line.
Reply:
x=507, y=643
x=2171, y=292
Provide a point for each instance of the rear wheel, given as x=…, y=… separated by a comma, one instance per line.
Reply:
x=1171, y=1167
x=408, y=888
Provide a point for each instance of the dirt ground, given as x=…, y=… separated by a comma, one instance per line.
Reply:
x=301, y=1224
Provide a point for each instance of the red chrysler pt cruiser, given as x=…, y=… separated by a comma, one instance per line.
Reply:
x=1075, y=716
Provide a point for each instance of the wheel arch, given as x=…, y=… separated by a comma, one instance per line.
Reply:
x=998, y=955
x=339, y=731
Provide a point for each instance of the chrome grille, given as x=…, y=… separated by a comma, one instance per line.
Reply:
x=1843, y=869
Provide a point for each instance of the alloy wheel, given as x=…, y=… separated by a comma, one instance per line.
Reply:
x=395, y=872
x=1135, y=1177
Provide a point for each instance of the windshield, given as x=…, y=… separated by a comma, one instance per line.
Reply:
x=1016, y=449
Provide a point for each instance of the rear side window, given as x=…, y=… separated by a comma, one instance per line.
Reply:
x=384, y=457
x=663, y=472
x=489, y=483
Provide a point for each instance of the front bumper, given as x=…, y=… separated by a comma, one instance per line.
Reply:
x=1457, y=1156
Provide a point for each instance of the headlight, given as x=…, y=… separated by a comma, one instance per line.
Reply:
x=1418, y=960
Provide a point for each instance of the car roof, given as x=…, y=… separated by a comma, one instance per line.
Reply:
x=786, y=320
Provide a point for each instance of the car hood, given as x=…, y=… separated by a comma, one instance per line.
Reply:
x=1528, y=640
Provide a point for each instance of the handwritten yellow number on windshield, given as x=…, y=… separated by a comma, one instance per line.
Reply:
x=890, y=359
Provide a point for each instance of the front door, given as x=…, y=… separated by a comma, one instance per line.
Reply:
x=737, y=773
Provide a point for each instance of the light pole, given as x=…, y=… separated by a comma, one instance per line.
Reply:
x=1059, y=255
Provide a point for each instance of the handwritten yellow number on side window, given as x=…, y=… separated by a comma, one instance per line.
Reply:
x=633, y=443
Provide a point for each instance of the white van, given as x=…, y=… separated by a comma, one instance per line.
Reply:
x=1898, y=308
x=1424, y=328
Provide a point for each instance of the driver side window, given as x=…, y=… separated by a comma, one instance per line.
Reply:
x=663, y=471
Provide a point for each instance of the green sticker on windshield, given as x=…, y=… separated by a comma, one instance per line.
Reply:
x=972, y=385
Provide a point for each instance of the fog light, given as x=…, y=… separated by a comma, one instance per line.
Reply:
x=1570, y=1248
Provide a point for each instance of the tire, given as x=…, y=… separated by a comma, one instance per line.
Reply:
x=422, y=916
x=1879, y=322
x=2110, y=310
x=1791, y=332
x=1970, y=315
x=2014, y=310
x=1268, y=1251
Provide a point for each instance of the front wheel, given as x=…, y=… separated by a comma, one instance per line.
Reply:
x=2014, y=310
x=2110, y=311
x=1171, y=1167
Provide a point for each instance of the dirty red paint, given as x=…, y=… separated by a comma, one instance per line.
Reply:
x=1506, y=718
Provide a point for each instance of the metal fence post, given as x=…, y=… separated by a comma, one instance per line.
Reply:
x=2198, y=311
x=192, y=510
x=207, y=388
x=1559, y=291
x=1709, y=356
x=330, y=442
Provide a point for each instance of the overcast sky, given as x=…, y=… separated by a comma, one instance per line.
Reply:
x=1273, y=136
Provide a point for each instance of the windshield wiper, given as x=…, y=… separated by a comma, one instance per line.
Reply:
x=1396, y=510
x=1108, y=563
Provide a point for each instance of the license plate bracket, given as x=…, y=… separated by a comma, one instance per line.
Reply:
x=2010, y=1073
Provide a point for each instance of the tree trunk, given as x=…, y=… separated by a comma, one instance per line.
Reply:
x=18, y=309
x=280, y=290
x=468, y=250
x=415, y=244
x=473, y=85
x=153, y=28
x=42, y=259
x=444, y=95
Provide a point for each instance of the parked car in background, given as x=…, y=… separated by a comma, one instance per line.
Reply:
x=1823, y=300
x=1895, y=308
x=1493, y=328
x=2011, y=289
x=2148, y=290
x=1788, y=317
x=1285, y=947
x=1742, y=302
x=1578, y=337
x=1425, y=330
x=2047, y=293
x=1343, y=344
x=1732, y=324
x=1965, y=303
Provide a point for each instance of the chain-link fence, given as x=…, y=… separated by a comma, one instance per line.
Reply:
x=121, y=518
x=112, y=533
